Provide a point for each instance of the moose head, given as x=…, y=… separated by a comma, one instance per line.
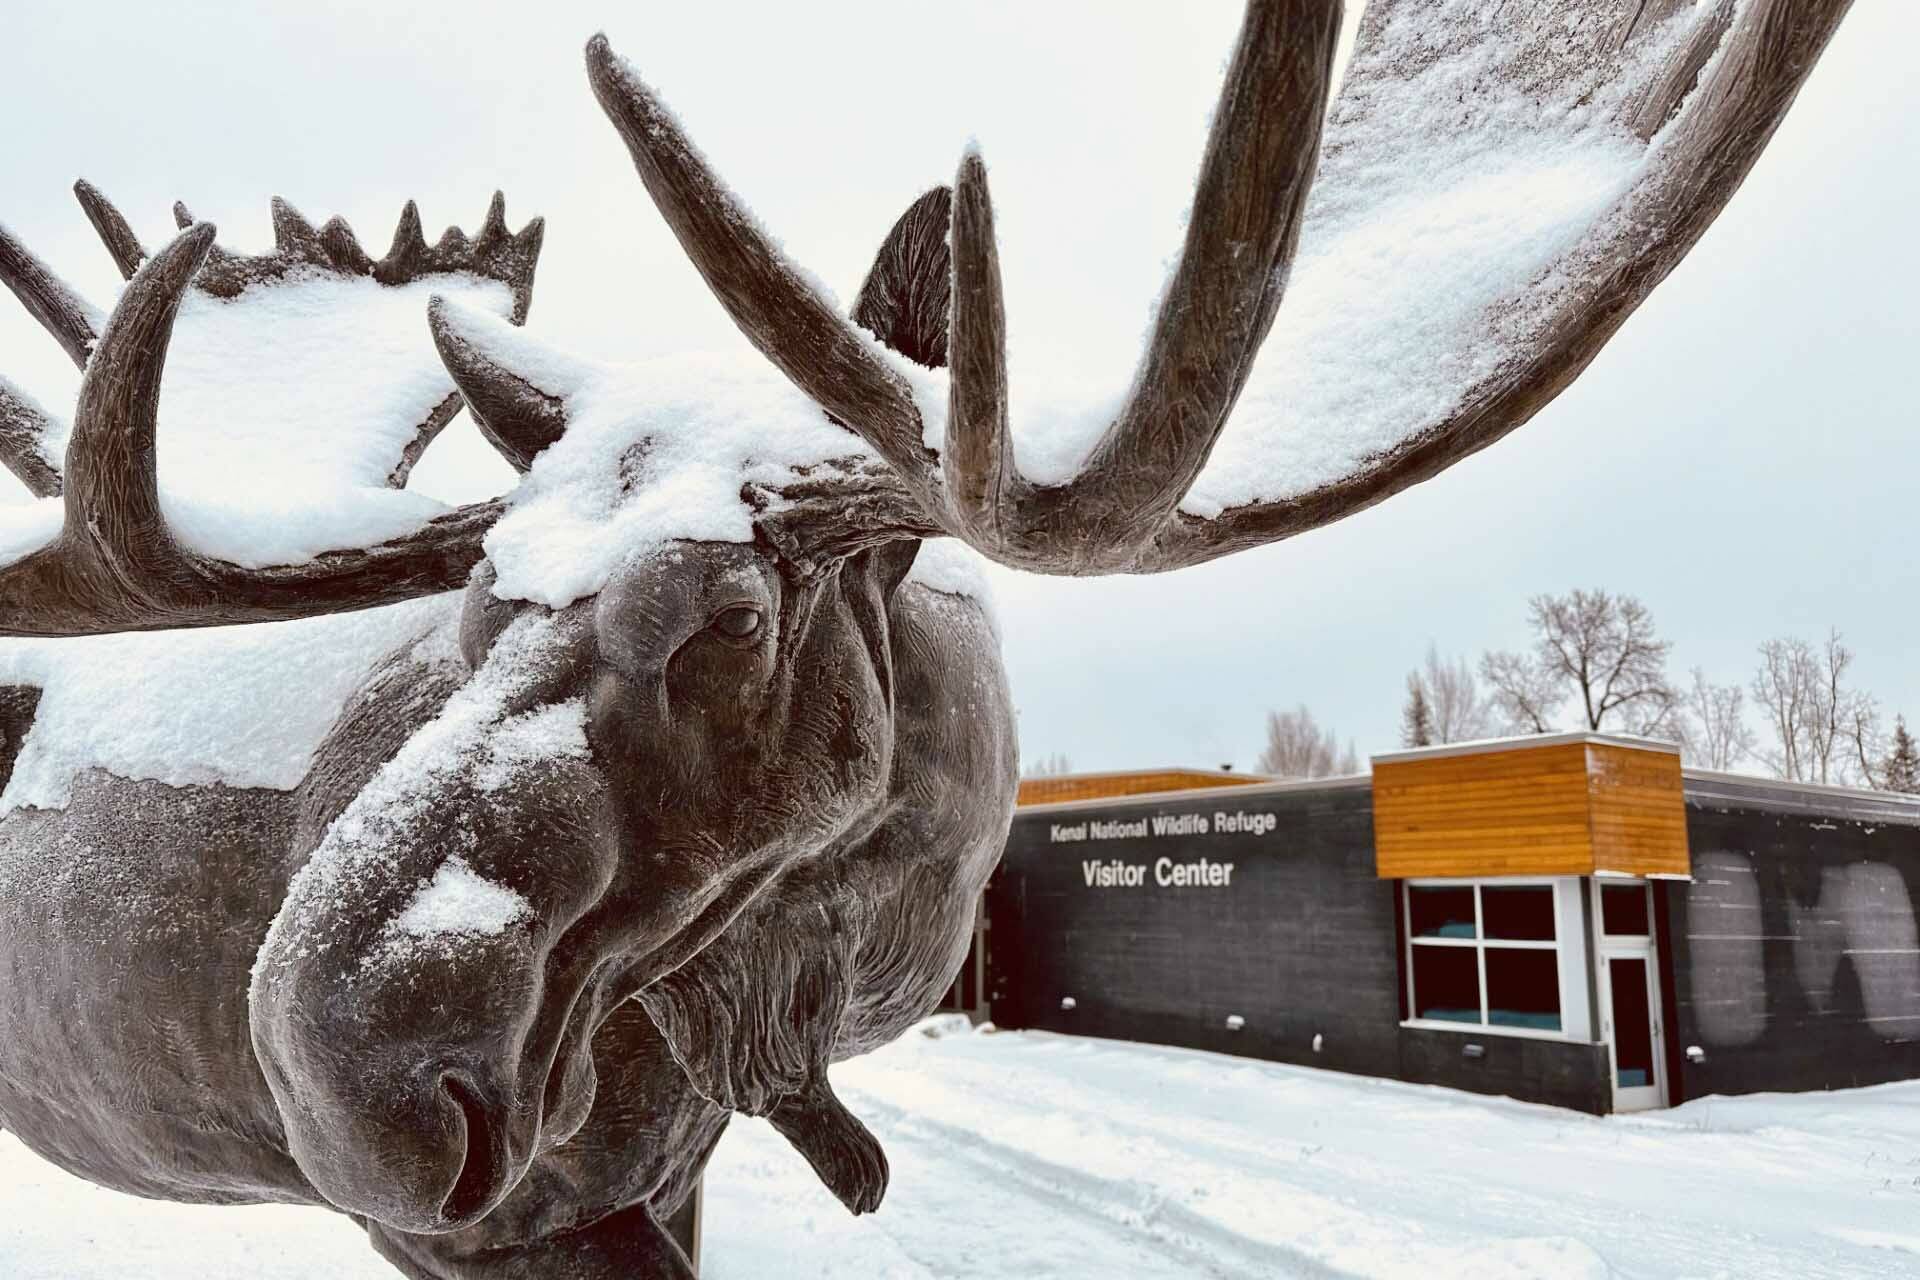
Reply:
x=672, y=686
x=603, y=795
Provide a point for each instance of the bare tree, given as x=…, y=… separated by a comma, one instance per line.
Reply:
x=1861, y=742
x=1459, y=713
x=1297, y=747
x=1600, y=649
x=1713, y=724
x=1048, y=766
x=1823, y=729
x=1824, y=725
x=1864, y=745
x=1785, y=686
x=1604, y=647
x=1525, y=693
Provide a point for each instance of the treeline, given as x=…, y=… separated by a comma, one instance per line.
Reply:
x=1597, y=663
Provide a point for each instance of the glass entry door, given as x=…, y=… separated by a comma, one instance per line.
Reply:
x=1632, y=1025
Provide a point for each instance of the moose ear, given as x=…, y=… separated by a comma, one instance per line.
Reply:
x=907, y=292
x=519, y=411
x=890, y=563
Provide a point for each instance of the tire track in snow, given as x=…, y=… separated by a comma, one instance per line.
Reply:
x=1443, y=1196
x=1187, y=1244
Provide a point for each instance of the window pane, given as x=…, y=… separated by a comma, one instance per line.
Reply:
x=1623, y=909
x=1523, y=988
x=1632, y=1023
x=1524, y=913
x=1446, y=984
x=1442, y=911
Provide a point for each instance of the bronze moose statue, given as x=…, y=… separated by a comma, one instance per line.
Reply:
x=668, y=779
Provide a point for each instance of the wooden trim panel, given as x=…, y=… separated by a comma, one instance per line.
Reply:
x=1639, y=811
x=1554, y=808
x=1100, y=786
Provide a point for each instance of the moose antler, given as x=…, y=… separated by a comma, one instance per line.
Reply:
x=1668, y=104
x=302, y=252
x=25, y=429
x=116, y=564
x=1693, y=94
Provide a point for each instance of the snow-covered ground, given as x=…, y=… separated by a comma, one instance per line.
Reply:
x=1030, y=1155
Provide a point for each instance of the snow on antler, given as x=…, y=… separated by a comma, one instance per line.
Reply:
x=303, y=388
x=308, y=369
x=1472, y=176
x=687, y=447
x=1500, y=186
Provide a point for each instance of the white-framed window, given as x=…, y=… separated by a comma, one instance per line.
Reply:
x=1487, y=955
x=1626, y=908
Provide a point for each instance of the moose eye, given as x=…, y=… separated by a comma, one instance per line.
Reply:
x=738, y=622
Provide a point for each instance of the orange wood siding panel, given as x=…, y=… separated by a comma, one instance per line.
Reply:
x=1561, y=809
x=1495, y=813
x=1639, y=811
x=1099, y=786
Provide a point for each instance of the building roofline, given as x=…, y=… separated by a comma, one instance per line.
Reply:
x=1142, y=773
x=1279, y=786
x=1485, y=746
x=1698, y=784
x=1757, y=782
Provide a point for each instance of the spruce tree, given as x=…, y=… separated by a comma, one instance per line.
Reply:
x=1902, y=770
x=1416, y=718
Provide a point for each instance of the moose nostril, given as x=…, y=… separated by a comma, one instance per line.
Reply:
x=477, y=1177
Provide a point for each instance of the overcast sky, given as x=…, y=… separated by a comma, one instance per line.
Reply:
x=1741, y=456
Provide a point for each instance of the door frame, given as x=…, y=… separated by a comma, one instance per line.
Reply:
x=1646, y=949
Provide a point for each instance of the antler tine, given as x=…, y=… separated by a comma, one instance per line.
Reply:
x=343, y=249
x=112, y=491
x=409, y=248
x=1260, y=159
x=112, y=228
x=493, y=230
x=293, y=235
x=48, y=299
x=978, y=459
x=116, y=566
x=517, y=418
x=771, y=302
x=1259, y=164
x=23, y=429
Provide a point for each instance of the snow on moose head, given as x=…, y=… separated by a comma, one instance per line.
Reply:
x=616, y=781
x=684, y=745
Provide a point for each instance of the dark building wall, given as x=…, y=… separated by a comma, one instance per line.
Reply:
x=1303, y=941
x=1563, y=1073
x=1299, y=943
x=1793, y=959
